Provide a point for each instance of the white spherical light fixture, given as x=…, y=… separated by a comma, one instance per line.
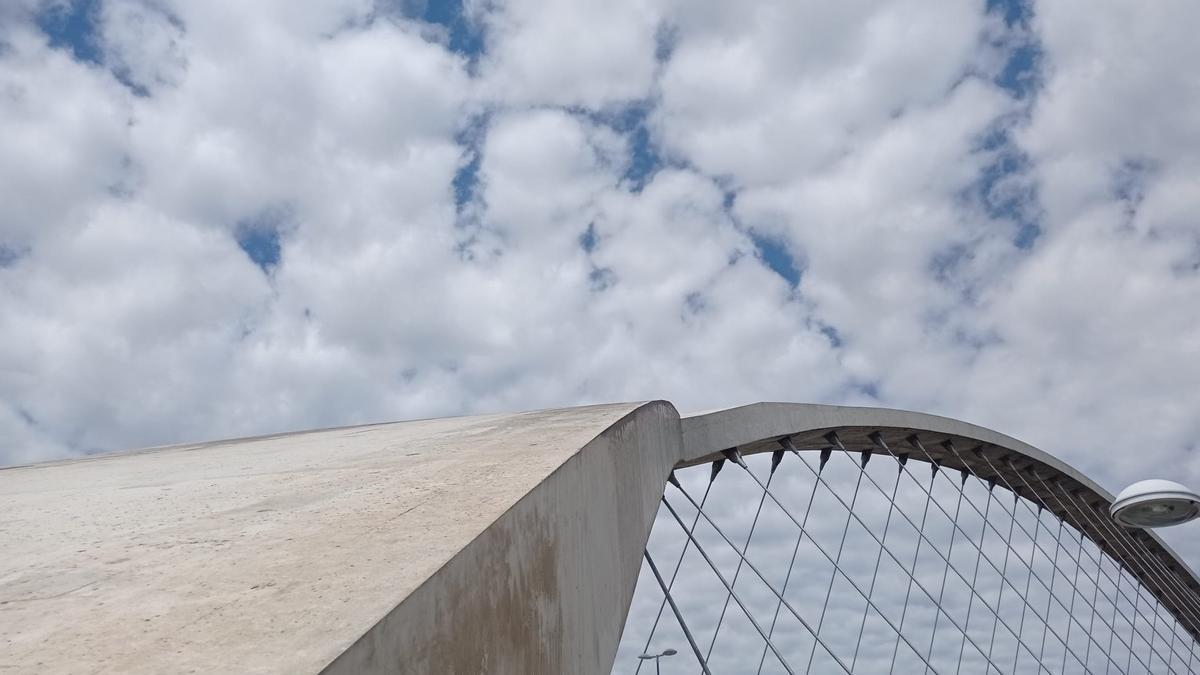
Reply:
x=1155, y=503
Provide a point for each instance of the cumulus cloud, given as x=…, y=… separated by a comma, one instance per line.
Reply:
x=569, y=54
x=220, y=219
x=142, y=44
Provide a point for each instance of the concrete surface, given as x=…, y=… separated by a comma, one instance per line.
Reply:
x=282, y=554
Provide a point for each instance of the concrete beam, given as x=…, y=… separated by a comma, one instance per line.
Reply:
x=311, y=551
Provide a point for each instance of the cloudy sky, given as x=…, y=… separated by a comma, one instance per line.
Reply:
x=228, y=218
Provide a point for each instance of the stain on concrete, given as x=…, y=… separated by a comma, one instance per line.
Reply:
x=495, y=609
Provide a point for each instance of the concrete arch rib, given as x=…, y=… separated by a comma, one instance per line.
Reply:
x=760, y=427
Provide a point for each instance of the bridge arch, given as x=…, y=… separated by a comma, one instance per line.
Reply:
x=1056, y=496
x=519, y=543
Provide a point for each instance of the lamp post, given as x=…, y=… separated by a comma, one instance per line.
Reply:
x=656, y=657
x=1155, y=503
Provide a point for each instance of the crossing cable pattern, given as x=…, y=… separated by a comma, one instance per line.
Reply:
x=841, y=554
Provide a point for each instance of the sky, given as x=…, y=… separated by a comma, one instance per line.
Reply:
x=220, y=219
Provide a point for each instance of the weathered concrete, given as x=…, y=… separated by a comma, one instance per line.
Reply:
x=289, y=553
x=499, y=543
x=547, y=587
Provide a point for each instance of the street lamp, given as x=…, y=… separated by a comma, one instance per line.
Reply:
x=1155, y=503
x=656, y=657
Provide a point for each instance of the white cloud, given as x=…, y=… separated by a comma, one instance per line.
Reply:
x=142, y=43
x=63, y=138
x=569, y=53
x=790, y=88
x=85, y=323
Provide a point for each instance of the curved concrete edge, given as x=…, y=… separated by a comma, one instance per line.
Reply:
x=546, y=588
x=492, y=537
x=759, y=427
x=749, y=426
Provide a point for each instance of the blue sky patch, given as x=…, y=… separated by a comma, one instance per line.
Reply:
x=644, y=160
x=770, y=249
x=71, y=27
x=776, y=256
x=832, y=334
x=1015, y=12
x=1004, y=189
x=631, y=122
x=260, y=239
x=465, y=36
x=1027, y=235
x=261, y=245
x=1021, y=74
x=466, y=178
x=587, y=240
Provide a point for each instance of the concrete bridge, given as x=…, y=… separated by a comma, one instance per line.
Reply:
x=509, y=543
